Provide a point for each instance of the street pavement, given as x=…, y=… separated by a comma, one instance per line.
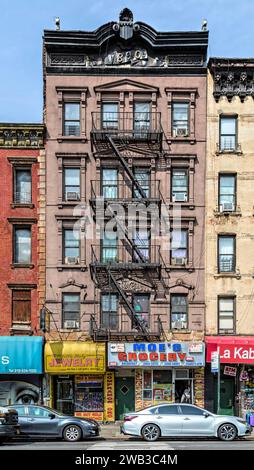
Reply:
x=129, y=444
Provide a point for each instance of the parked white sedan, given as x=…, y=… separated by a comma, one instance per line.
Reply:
x=182, y=420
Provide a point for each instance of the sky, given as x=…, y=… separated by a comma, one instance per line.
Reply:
x=230, y=24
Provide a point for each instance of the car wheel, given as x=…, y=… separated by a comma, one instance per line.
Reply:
x=151, y=432
x=227, y=432
x=72, y=433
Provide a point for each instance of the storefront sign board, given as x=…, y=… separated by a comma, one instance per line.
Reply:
x=21, y=355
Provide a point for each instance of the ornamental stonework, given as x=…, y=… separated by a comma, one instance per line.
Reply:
x=232, y=79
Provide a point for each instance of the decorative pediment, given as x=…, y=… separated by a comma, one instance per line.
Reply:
x=182, y=284
x=72, y=282
x=126, y=85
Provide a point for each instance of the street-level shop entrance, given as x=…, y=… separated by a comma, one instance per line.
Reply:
x=125, y=395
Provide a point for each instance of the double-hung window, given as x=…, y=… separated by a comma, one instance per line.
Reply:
x=179, y=311
x=71, y=311
x=110, y=116
x=227, y=253
x=142, y=117
x=228, y=125
x=109, y=183
x=71, y=184
x=141, y=305
x=179, y=247
x=109, y=311
x=109, y=247
x=142, y=176
x=141, y=252
x=72, y=119
x=22, y=245
x=21, y=306
x=227, y=192
x=179, y=186
x=180, y=121
x=226, y=315
x=23, y=186
x=71, y=246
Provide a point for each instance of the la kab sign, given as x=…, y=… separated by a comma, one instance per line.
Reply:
x=234, y=354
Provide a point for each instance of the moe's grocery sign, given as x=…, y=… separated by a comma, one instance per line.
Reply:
x=156, y=354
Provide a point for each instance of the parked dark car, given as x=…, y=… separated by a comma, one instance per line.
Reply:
x=42, y=421
x=8, y=423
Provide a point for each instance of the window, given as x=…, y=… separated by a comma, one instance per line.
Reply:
x=71, y=311
x=21, y=306
x=141, y=252
x=109, y=311
x=141, y=117
x=109, y=183
x=72, y=119
x=180, y=119
x=71, y=248
x=191, y=410
x=22, y=245
x=35, y=411
x=227, y=133
x=157, y=385
x=179, y=185
x=110, y=115
x=143, y=178
x=71, y=184
x=167, y=410
x=179, y=250
x=227, y=192
x=227, y=257
x=109, y=247
x=179, y=311
x=141, y=305
x=21, y=410
x=23, y=186
x=226, y=315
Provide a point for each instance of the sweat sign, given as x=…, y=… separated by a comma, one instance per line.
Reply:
x=156, y=354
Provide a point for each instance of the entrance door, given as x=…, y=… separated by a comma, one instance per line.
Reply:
x=125, y=396
x=64, y=399
x=227, y=386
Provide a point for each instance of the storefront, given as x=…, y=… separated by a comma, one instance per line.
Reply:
x=21, y=369
x=79, y=383
x=150, y=373
x=236, y=374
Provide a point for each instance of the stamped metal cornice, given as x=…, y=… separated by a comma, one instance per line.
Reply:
x=232, y=77
x=21, y=135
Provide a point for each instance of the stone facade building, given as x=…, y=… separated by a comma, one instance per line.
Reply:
x=125, y=112
x=230, y=230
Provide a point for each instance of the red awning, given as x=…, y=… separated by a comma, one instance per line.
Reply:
x=233, y=349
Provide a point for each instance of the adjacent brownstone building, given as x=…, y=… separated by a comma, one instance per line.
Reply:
x=125, y=112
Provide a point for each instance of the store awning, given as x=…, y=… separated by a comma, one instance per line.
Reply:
x=75, y=357
x=233, y=349
x=21, y=354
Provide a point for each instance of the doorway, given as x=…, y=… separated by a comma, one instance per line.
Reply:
x=64, y=395
x=227, y=388
x=125, y=396
x=183, y=391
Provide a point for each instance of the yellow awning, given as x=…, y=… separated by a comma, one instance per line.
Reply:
x=73, y=357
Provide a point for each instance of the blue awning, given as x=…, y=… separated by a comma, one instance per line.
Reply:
x=21, y=354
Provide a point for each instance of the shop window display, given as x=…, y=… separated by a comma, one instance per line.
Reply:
x=157, y=385
x=89, y=393
x=247, y=390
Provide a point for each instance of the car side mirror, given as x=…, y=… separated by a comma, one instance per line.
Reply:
x=51, y=415
x=205, y=414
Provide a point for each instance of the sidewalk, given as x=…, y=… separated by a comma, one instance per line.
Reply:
x=111, y=431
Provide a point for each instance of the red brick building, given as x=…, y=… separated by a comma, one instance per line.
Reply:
x=20, y=147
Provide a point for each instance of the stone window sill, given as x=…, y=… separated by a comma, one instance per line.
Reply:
x=19, y=205
x=79, y=267
x=67, y=138
x=175, y=140
x=188, y=205
x=185, y=267
x=69, y=203
x=229, y=275
x=22, y=265
x=236, y=213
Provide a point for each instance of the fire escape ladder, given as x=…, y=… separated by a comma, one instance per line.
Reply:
x=126, y=167
x=129, y=308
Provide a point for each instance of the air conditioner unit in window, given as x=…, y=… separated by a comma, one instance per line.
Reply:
x=227, y=207
x=71, y=324
x=181, y=132
x=179, y=261
x=72, y=196
x=179, y=197
x=182, y=374
x=71, y=260
x=179, y=325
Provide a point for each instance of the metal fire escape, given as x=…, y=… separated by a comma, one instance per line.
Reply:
x=120, y=143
